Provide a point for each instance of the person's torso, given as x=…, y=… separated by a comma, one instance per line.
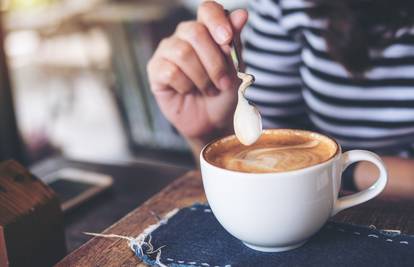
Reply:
x=375, y=112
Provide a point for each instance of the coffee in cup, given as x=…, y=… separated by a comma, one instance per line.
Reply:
x=274, y=151
x=275, y=194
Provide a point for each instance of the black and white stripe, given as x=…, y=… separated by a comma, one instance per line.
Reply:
x=299, y=85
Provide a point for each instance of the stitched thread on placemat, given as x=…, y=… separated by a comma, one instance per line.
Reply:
x=371, y=227
x=194, y=263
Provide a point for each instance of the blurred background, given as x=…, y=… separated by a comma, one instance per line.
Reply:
x=73, y=79
x=74, y=94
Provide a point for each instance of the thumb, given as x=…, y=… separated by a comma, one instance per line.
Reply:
x=238, y=19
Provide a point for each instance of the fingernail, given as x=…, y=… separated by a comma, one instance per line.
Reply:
x=223, y=34
x=225, y=82
x=211, y=91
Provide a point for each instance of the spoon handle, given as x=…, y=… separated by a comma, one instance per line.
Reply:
x=235, y=57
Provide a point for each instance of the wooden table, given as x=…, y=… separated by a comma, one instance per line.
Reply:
x=390, y=214
x=134, y=183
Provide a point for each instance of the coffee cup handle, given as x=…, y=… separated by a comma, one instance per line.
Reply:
x=355, y=199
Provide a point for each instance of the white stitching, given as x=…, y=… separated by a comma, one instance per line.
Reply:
x=207, y=210
x=392, y=231
x=193, y=262
x=376, y=236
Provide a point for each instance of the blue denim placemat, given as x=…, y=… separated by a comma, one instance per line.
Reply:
x=193, y=237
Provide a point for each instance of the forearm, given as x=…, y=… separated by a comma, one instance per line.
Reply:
x=400, y=177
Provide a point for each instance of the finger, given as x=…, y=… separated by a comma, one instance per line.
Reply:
x=182, y=54
x=213, y=16
x=165, y=75
x=238, y=19
x=208, y=52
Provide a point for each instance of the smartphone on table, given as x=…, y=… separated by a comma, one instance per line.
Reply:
x=76, y=186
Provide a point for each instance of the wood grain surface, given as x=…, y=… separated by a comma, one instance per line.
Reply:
x=115, y=252
x=31, y=221
x=384, y=214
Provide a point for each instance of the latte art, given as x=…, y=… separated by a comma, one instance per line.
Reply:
x=275, y=151
x=274, y=159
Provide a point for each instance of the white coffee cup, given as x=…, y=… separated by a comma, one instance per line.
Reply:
x=274, y=212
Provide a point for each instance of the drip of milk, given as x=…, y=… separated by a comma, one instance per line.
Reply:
x=247, y=120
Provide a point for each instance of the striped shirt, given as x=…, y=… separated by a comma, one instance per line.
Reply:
x=299, y=85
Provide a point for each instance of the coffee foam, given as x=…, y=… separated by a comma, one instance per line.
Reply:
x=275, y=151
